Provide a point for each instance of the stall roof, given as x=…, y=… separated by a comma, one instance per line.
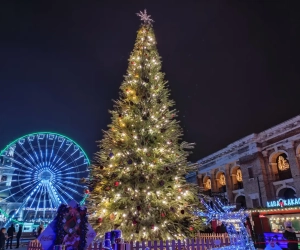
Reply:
x=285, y=210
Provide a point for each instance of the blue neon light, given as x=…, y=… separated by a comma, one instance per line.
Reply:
x=44, y=170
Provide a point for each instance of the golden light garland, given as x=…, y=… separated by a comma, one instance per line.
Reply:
x=208, y=184
x=239, y=175
x=222, y=180
x=283, y=164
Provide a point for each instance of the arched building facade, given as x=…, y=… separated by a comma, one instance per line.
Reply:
x=256, y=169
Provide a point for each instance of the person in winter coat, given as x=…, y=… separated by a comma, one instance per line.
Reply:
x=221, y=228
x=19, y=234
x=290, y=235
x=2, y=238
x=10, y=234
x=40, y=230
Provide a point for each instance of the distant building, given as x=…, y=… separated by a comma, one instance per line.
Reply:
x=256, y=170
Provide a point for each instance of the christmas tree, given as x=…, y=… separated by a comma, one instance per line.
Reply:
x=138, y=184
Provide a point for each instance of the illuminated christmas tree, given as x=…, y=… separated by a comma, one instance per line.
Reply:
x=138, y=184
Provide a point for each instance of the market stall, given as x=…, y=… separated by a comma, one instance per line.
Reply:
x=268, y=223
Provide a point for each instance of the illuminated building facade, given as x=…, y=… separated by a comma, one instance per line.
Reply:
x=256, y=170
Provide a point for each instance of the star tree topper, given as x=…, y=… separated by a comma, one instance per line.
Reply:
x=145, y=17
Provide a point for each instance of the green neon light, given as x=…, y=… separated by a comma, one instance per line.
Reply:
x=7, y=216
x=15, y=141
x=83, y=200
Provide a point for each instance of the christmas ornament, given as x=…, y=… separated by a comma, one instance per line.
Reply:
x=172, y=209
x=112, y=216
x=111, y=155
x=134, y=222
x=129, y=161
x=100, y=220
x=191, y=228
x=163, y=215
x=86, y=191
x=138, y=208
x=182, y=211
x=161, y=183
x=117, y=184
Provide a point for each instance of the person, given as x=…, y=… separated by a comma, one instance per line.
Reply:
x=40, y=230
x=221, y=228
x=10, y=234
x=19, y=234
x=273, y=246
x=290, y=235
x=208, y=229
x=71, y=241
x=2, y=238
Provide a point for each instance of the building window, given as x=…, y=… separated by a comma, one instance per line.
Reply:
x=283, y=166
x=239, y=176
x=255, y=203
x=207, y=184
x=222, y=180
x=250, y=173
x=282, y=163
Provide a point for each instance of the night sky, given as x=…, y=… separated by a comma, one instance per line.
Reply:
x=232, y=66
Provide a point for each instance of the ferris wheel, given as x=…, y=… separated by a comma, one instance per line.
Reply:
x=40, y=171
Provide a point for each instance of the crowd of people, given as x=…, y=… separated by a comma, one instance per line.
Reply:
x=7, y=236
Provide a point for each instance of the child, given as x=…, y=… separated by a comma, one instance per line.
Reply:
x=71, y=241
x=2, y=238
x=273, y=245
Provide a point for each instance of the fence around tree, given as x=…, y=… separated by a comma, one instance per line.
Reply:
x=203, y=242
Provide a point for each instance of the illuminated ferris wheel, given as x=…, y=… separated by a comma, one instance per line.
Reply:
x=40, y=171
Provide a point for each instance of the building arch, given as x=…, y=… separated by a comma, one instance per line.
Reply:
x=221, y=181
x=236, y=177
x=279, y=163
x=274, y=155
x=234, y=169
x=207, y=182
x=240, y=200
x=219, y=173
x=280, y=191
